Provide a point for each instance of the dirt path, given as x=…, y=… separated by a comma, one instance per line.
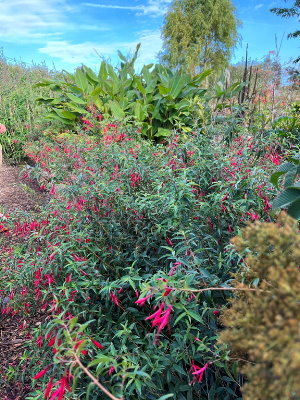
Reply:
x=15, y=195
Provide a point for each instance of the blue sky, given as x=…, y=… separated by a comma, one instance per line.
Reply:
x=67, y=33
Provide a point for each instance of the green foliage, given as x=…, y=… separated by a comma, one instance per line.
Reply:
x=289, y=197
x=262, y=326
x=157, y=99
x=128, y=218
x=287, y=129
x=18, y=111
x=290, y=12
x=199, y=34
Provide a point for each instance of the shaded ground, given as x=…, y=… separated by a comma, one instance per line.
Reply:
x=15, y=195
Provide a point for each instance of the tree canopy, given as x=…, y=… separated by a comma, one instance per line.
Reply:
x=199, y=34
x=288, y=12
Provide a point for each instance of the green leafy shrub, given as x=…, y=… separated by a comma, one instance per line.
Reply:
x=134, y=229
x=18, y=110
x=262, y=324
x=287, y=127
x=157, y=98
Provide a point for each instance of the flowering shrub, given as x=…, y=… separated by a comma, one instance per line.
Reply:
x=130, y=263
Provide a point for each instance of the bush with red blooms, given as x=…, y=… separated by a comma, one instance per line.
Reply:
x=122, y=261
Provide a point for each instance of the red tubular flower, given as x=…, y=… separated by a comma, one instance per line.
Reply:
x=39, y=341
x=143, y=300
x=52, y=341
x=97, y=344
x=52, y=191
x=225, y=197
x=114, y=299
x=165, y=319
x=48, y=389
x=41, y=373
x=156, y=316
x=78, y=344
x=111, y=370
x=169, y=241
x=198, y=372
x=168, y=291
x=160, y=317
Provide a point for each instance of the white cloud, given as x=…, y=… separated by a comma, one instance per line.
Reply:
x=90, y=53
x=97, y=28
x=258, y=6
x=21, y=19
x=153, y=8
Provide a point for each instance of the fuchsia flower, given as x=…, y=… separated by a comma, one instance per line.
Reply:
x=169, y=241
x=41, y=373
x=198, y=372
x=143, y=300
x=160, y=318
x=62, y=384
x=97, y=344
x=174, y=268
x=111, y=370
x=48, y=388
x=39, y=341
x=52, y=191
x=225, y=197
x=114, y=299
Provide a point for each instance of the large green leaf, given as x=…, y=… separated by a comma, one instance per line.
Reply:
x=91, y=74
x=162, y=132
x=287, y=197
x=200, y=77
x=139, y=111
x=177, y=84
x=81, y=80
x=139, y=85
x=164, y=91
x=116, y=109
x=287, y=166
x=275, y=177
x=147, y=75
x=54, y=116
x=49, y=100
x=76, y=108
x=294, y=209
x=75, y=99
x=103, y=74
x=65, y=114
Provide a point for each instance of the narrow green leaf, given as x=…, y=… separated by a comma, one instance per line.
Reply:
x=195, y=316
x=166, y=396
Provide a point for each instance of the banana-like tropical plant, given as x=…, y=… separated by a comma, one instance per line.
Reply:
x=157, y=98
x=289, y=197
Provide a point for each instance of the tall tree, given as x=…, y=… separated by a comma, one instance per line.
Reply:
x=199, y=34
x=288, y=12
